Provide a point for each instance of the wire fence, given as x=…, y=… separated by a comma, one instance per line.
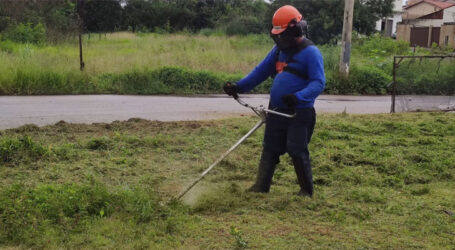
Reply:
x=423, y=83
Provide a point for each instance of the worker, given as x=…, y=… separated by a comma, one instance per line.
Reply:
x=297, y=68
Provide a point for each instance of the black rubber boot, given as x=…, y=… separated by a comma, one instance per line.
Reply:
x=302, y=167
x=265, y=173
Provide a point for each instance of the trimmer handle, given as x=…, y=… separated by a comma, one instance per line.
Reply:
x=261, y=111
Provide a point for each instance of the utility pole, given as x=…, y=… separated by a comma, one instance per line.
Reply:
x=346, y=37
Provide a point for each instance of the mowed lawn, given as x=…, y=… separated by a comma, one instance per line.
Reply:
x=381, y=181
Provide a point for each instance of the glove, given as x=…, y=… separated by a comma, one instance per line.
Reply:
x=290, y=100
x=231, y=89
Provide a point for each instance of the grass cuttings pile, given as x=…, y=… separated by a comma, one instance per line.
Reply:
x=381, y=181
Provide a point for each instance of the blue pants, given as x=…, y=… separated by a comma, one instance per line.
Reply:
x=290, y=135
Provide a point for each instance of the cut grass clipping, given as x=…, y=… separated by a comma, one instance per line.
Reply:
x=381, y=181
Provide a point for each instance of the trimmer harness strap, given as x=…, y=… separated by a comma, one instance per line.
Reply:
x=283, y=66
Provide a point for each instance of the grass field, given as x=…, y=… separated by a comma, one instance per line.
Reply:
x=120, y=52
x=150, y=63
x=382, y=181
x=127, y=63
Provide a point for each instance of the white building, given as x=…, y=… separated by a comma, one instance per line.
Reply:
x=388, y=26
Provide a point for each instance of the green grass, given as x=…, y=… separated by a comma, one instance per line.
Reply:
x=125, y=63
x=381, y=181
x=120, y=52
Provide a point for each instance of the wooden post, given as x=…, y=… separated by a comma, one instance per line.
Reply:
x=394, y=85
x=80, y=28
x=346, y=38
x=81, y=58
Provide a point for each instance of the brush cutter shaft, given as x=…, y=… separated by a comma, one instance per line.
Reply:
x=261, y=109
x=262, y=113
x=258, y=125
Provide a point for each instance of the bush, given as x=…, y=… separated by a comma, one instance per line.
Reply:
x=369, y=80
x=377, y=45
x=362, y=80
x=26, y=33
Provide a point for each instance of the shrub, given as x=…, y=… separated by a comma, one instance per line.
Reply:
x=362, y=80
x=27, y=33
x=370, y=80
x=377, y=45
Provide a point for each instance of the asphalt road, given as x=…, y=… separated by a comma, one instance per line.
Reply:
x=16, y=111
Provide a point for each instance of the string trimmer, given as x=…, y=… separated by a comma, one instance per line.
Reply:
x=262, y=112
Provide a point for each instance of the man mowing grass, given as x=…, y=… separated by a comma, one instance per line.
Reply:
x=298, y=71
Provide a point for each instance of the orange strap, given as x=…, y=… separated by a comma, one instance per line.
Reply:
x=279, y=66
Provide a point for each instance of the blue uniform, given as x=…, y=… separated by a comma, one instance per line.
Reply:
x=283, y=134
x=307, y=61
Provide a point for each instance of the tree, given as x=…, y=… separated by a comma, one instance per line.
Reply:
x=56, y=15
x=102, y=16
x=325, y=17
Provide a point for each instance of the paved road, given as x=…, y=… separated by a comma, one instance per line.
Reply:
x=43, y=110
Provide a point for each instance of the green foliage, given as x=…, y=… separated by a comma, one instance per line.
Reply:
x=212, y=32
x=325, y=17
x=377, y=45
x=240, y=243
x=29, y=214
x=369, y=80
x=244, y=26
x=8, y=46
x=26, y=33
x=236, y=17
x=15, y=150
x=118, y=67
x=102, y=143
x=164, y=81
x=35, y=82
x=369, y=170
x=362, y=80
x=426, y=76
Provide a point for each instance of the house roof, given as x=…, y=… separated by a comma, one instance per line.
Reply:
x=437, y=3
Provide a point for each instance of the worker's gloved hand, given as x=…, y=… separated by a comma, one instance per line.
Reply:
x=231, y=89
x=291, y=101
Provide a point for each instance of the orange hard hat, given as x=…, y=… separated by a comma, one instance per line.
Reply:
x=283, y=16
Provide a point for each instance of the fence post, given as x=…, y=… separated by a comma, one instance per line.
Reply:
x=394, y=85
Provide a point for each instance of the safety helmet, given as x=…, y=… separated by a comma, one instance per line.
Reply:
x=283, y=16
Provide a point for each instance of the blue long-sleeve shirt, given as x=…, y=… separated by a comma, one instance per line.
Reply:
x=307, y=61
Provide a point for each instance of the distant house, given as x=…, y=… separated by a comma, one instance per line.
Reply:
x=388, y=26
x=425, y=22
